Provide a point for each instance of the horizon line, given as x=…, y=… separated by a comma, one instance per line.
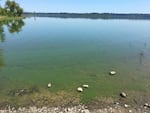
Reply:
x=84, y=12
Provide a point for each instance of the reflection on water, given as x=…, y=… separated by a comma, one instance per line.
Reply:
x=1, y=59
x=14, y=26
x=141, y=57
x=2, y=34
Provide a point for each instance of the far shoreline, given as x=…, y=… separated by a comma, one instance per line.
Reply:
x=137, y=16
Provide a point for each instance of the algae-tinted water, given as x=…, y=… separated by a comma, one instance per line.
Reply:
x=72, y=52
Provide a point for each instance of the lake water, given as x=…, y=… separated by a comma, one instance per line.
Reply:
x=72, y=52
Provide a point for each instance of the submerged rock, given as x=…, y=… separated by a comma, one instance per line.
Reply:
x=112, y=72
x=49, y=85
x=80, y=89
x=85, y=86
x=21, y=92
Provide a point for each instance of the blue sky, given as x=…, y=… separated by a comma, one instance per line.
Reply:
x=115, y=6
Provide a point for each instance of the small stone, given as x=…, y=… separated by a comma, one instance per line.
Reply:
x=123, y=94
x=105, y=109
x=146, y=104
x=112, y=72
x=130, y=111
x=85, y=111
x=49, y=85
x=13, y=108
x=85, y=86
x=117, y=103
x=19, y=109
x=80, y=89
x=126, y=106
x=86, y=107
x=68, y=110
x=110, y=108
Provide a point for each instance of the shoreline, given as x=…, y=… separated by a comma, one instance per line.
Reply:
x=23, y=101
x=90, y=15
x=68, y=104
x=112, y=108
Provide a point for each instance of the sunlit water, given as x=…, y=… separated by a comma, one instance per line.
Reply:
x=72, y=52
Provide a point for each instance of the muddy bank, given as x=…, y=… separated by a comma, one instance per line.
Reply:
x=64, y=104
x=42, y=101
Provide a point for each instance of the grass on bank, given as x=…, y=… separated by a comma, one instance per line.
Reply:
x=10, y=18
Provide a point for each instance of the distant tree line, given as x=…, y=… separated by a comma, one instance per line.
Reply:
x=11, y=8
x=90, y=15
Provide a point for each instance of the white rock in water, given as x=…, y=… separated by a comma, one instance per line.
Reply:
x=80, y=89
x=85, y=86
x=112, y=72
x=123, y=94
x=49, y=85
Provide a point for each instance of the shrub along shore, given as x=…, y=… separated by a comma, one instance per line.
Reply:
x=10, y=18
x=11, y=10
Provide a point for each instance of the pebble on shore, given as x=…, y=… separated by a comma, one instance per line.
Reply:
x=126, y=105
x=146, y=104
x=123, y=94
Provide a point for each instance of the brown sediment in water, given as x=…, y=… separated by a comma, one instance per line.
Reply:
x=39, y=99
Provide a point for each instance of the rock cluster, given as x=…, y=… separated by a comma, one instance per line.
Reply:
x=146, y=105
x=80, y=89
x=75, y=109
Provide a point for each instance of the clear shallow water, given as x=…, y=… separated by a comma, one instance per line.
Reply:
x=72, y=52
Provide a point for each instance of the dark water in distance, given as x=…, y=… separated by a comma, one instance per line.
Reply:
x=72, y=52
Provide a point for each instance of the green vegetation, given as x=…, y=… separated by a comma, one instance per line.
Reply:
x=11, y=9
